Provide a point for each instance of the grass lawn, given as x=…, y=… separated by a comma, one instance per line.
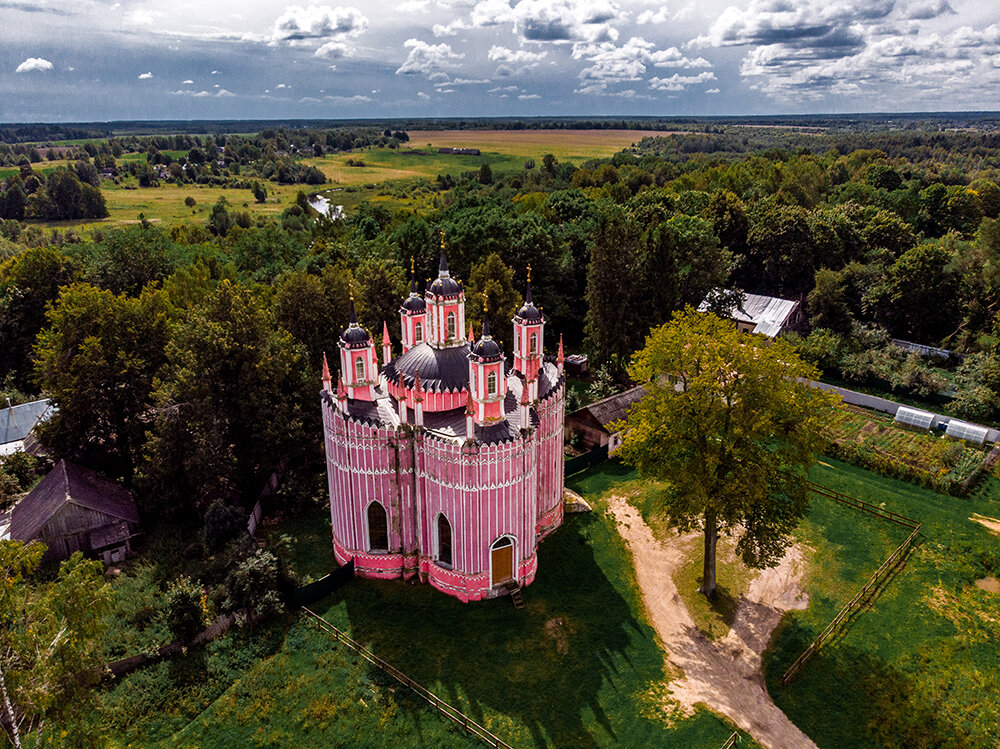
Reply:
x=919, y=667
x=578, y=667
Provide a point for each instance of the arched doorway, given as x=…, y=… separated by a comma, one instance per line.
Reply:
x=444, y=540
x=378, y=528
x=502, y=560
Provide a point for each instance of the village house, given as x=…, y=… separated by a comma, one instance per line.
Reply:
x=756, y=313
x=595, y=424
x=75, y=509
x=17, y=424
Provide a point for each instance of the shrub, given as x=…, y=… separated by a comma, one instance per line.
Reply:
x=223, y=523
x=254, y=585
x=190, y=202
x=184, y=609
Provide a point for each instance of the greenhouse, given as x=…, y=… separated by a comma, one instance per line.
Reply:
x=914, y=418
x=960, y=430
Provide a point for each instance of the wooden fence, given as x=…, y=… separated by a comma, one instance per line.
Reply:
x=442, y=707
x=324, y=586
x=870, y=587
x=731, y=741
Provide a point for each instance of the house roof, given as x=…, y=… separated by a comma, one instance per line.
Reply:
x=69, y=483
x=614, y=408
x=768, y=314
x=16, y=422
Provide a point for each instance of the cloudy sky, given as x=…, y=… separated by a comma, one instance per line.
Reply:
x=64, y=60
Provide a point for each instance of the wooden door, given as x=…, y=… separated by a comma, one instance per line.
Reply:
x=503, y=564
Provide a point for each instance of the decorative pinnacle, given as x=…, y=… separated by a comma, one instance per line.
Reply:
x=385, y=334
x=486, y=315
x=560, y=356
x=443, y=265
x=472, y=336
x=326, y=369
x=354, y=317
x=418, y=391
x=527, y=297
x=469, y=409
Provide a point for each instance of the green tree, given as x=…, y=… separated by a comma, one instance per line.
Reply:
x=98, y=360
x=263, y=254
x=230, y=402
x=496, y=280
x=125, y=260
x=259, y=192
x=379, y=292
x=727, y=421
x=486, y=174
x=29, y=282
x=185, y=617
x=827, y=303
x=50, y=644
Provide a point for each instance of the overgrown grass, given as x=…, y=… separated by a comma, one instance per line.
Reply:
x=579, y=666
x=919, y=667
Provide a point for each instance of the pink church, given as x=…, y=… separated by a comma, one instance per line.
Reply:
x=446, y=463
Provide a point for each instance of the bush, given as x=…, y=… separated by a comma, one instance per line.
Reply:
x=223, y=523
x=185, y=615
x=254, y=586
x=190, y=202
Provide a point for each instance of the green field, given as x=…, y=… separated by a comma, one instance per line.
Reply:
x=394, y=176
x=579, y=666
x=918, y=668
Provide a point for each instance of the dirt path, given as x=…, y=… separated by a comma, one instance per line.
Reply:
x=724, y=675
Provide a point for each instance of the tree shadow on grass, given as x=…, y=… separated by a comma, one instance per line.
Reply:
x=548, y=666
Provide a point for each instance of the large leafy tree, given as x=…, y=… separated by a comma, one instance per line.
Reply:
x=29, y=282
x=729, y=423
x=229, y=404
x=50, y=645
x=494, y=279
x=98, y=359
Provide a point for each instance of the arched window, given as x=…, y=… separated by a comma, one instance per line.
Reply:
x=517, y=338
x=533, y=344
x=451, y=325
x=418, y=332
x=378, y=528
x=491, y=383
x=474, y=387
x=359, y=369
x=444, y=540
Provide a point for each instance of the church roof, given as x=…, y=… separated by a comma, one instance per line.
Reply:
x=441, y=369
x=16, y=422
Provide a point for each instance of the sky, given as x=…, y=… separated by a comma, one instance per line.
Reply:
x=91, y=60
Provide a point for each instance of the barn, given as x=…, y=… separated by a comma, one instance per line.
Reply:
x=75, y=509
x=594, y=423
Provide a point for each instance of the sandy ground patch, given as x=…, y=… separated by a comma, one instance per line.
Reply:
x=723, y=675
x=989, y=584
x=985, y=520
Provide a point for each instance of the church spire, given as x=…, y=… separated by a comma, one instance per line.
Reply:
x=326, y=374
x=527, y=294
x=443, y=263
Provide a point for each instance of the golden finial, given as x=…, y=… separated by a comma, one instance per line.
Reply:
x=486, y=303
x=412, y=263
x=442, y=240
x=529, y=272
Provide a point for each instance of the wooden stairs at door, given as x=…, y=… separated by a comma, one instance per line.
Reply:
x=514, y=591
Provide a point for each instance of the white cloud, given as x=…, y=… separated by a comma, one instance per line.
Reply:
x=316, y=22
x=356, y=99
x=529, y=96
x=678, y=82
x=145, y=76
x=413, y=6
x=449, y=29
x=332, y=50
x=282, y=85
x=32, y=64
x=463, y=82
x=223, y=93
x=143, y=17
x=558, y=21
x=428, y=58
x=423, y=96
x=653, y=16
x=610, y=64
x=504, y=88
x=712, y=91
x=187, y=82
x=518, y=57
x=214, y=72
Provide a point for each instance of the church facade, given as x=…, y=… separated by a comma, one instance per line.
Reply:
x=446, y=462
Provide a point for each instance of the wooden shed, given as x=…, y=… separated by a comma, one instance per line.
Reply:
x=76, y=509
x=593, y=422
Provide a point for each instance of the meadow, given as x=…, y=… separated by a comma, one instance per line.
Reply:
x=580, y=665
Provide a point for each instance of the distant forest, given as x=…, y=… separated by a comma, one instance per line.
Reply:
x=37, y=132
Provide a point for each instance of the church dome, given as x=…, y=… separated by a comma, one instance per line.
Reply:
x=355, y=336
x=447, y=287
x=414, y=303
x=529, y=312
x=440, y=370
x=486, y=349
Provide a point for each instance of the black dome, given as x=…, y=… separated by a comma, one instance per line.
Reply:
x=355, y=335
x=487, y=349
x=439, y=369
x=414, y=303
x=445, y=287
x=529, y=312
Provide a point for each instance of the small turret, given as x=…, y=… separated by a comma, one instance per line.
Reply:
x=358, y=364
x=445, y=307
x=326, y=375
x=470, y=426
x=413, y=314
x=560, y=358
x=529, y=331
x=418, y=401
x=386, y=344
x=487, y=381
